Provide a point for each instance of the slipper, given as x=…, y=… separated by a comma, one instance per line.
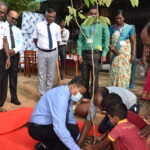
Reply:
x=2, y=109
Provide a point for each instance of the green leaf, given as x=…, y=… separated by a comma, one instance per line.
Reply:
x=92, y=2
x=72, y=11
x=135, y=3
x=101, y=3
x=87, y=3
x=90, y=20
x=68, y=19
x=81, y=15
x=108, y=2
x=104, y=20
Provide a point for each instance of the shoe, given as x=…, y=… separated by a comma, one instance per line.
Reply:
x=40, y=146
x=16, y=102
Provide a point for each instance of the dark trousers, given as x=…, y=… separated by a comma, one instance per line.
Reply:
x=46, y=135
x=87, y=67
x=106, y=125
x=62, y=54
x=11, y=73
x=3, y=80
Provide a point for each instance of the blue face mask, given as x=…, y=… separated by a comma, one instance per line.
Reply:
x=76, y=97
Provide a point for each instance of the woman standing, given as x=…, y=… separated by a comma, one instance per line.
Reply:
x=145, y=36
x=122, y=51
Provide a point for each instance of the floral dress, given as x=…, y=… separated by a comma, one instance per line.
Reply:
x=120, y=70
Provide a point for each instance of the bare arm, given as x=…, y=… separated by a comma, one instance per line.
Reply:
x=85, y=131
x=133, y=47
x=99, y=145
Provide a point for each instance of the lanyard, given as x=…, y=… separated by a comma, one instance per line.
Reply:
x=92, y=29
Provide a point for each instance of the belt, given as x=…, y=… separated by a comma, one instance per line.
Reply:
x=36, y=125
x=47, y=50
x=62, y=45
x=90, y=51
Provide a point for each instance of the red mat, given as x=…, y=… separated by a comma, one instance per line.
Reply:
x=14, y=119
x=13, y=136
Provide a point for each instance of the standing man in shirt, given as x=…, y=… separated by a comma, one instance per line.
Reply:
x=46, y=36
x=62, y=47
x=53, y=122
x=98, y=36
x=4, y=53
x=15, y=42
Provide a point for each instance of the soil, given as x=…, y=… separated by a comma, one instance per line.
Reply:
x=28, y=93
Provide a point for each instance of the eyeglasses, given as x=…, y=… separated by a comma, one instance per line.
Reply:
x=1, y=12
x=15, y=19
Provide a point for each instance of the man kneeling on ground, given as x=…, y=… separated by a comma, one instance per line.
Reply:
x=52, y=121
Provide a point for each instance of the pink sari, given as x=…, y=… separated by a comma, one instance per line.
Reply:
x=146, y=91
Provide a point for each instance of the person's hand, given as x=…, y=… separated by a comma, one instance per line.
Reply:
x=80, y=59
x=103, y=59
x=86, y=100
x=142, y=61
x=90, y=147
x=145, y=132
x=113, y=50
x=7, y=63
x=11, y=52
x=132, y=59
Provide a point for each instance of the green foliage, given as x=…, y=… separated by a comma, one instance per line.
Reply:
x=23, y=5
x=81, y=16
x=72, y=11
x=135, y=3
x=104, y=20
x=87, y=2
x=68, y=19
x=90, y=20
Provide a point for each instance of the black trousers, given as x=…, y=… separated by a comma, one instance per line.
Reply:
x=106, y=125
x=46, y=134
x=87, y=67
x=62, y=54
x=3, y=80
x=10, y=73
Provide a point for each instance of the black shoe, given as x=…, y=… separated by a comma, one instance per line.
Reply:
x=16, y=102
x=40, y=146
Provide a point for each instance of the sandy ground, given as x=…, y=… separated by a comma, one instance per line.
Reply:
x=28, y=93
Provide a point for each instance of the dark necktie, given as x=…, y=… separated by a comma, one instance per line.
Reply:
x=49, y=37
x=12, y=37
x=67, y=114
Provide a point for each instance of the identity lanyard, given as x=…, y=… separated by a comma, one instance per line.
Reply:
x=92, y=29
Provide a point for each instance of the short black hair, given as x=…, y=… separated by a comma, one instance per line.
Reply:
x=103, y=90
x=119, y=110
x=111, y=98
x=120, y=12
x=50, y=10
x=79, y=81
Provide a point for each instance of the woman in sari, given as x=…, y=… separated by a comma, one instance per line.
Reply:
x=122, y=51
x=145, y=36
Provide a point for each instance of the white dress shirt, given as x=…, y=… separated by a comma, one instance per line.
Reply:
x=17, y=38
x=3, y=33
x=41, y=34
x=65, y=36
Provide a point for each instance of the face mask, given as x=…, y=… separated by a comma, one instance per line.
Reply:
x=76, y=97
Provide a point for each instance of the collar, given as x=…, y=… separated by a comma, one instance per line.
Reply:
x=45, y=21
x=122, y=121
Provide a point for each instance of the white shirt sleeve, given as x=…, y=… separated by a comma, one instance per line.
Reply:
x=59, y=35
x=35, y=33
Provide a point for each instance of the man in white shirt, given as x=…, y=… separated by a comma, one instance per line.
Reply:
x=46, y=36
x=15, y=42
x=62, y=47
x=4, y=53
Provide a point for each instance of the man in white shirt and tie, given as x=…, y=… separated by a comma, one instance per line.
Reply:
x=46, y=36
x=62, y=47
x=4, y=53
x=15, y=42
